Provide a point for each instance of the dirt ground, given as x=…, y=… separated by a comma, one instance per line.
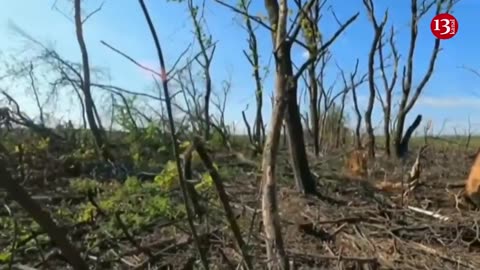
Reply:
x=352, y=224
x=355, y=225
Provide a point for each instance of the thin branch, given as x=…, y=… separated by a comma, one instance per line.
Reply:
x=130, y=58
x=324, y=47
x=93, y=12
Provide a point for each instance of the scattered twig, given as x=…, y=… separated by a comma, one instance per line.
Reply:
x=428, y=213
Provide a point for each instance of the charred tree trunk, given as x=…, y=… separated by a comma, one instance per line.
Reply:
x=401, y=147
x=358, y=141
x=298, y=155
x=312, y=37
x=370, y=142
x=208, y=92
x=294, y=132
x=386, y=131
x=314, y=114
x=340, y=124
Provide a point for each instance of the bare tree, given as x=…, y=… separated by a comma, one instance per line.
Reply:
x=351, y=83
x=328, y=112
x=205, y=43
x=300, y=165
x=219, y=103
x=400, y=139
x=340, y=138
x=258, y=136
x=191, y=97
x=378, y=29
x=85, y=84
x=313, y=38
x=388, y=87
x=332, y=112
x=34, y=88
x=285, y=99
x=303, y=178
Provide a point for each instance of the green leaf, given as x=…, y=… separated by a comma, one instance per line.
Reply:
x=5, y=256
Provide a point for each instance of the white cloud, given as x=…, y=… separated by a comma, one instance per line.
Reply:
x=438, y=102
x=305, y=54
x=449, y=102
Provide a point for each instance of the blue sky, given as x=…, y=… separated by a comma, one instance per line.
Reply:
x=452, y=95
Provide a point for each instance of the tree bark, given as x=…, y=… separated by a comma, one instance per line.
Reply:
x=273, y=236
x=304, y=181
